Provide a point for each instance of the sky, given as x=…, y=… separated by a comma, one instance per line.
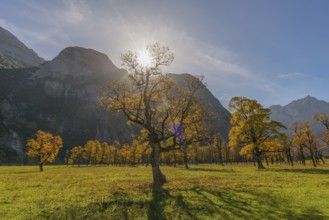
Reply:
x=274, y=51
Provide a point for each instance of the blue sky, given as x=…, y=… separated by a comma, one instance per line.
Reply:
x=273, y=51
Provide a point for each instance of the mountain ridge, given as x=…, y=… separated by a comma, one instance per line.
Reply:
x=14, y=53
x=300, y=110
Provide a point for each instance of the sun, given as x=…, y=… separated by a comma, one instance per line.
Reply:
x=144, y=58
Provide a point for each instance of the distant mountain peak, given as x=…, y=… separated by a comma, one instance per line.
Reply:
x=299, y=110
x=308, y=97
x=84, y=57
x=80, y=62
x=81, y=53
x=308, y=100
x=14, y=53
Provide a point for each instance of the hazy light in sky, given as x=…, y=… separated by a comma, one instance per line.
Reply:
x=144, y=58
x=272, y=51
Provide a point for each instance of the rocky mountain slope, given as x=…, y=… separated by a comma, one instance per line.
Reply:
x=299, y=110
x=60, y=96
x=221, y=120
x=14, y=53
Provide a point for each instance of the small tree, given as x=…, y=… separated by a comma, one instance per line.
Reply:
x=219, y=143
x=305, y=138
x=45, y=147
x=76, y=155
x=93, y=152
x=323, y=118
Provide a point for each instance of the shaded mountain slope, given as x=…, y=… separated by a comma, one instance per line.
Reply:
x=14, y=53
x=300, y=110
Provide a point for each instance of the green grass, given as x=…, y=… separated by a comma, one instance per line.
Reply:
x=203, y=192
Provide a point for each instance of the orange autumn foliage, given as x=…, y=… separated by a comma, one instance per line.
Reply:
x=45, y=147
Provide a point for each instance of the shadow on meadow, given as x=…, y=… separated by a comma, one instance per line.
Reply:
x=306, y=171
x=21, y=172
x=221, y=170
x=196, y=203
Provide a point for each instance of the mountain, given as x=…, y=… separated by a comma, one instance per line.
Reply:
x=60, y=96
x=221, y=120
x=14, y=53
x=299, y=110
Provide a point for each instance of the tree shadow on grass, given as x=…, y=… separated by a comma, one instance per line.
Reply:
x=220, y=170
x=251, y=205
x=195, y=203
x=156, y=204
x=307, y=171
x=202, y=202
x=22, y=172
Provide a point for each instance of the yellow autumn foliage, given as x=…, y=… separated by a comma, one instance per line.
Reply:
x=45, y=147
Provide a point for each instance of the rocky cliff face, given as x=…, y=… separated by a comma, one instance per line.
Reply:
x=59, y=96
x=15, y=54
x=299, y=110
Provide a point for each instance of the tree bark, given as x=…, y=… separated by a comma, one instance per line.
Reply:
x=197, y=156
x=175, y=159
x=312, y=157
x=220, y=156
x=302, y=157
x=185, y=159
x=289, y=157
x=41, y=167
x=266, y=160
x=158, y=177
x=258, y=155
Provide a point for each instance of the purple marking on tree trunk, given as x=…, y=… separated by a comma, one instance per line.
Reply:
x=178, y=131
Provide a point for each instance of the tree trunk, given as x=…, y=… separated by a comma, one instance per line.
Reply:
x=220, y=156
x=175, y=159
x=320, y=157
x=185, y=159
x=228, y=160
x=41, y=167
x=289, y=157
x=302, y=157
x=258, y=155
x=158, y=177
x=312, y=157
x=197, y=156
x=266, y=160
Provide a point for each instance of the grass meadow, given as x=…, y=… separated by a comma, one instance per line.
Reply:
x=203, y=192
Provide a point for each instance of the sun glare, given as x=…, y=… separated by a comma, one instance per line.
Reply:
x=144, y=58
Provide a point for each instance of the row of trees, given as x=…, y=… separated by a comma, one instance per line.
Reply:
x=302, y=143
x=259, y=138
x=96, y=153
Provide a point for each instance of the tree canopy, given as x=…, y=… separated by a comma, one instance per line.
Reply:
x=150, y=99
x=251, y=127
x=45, y=147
